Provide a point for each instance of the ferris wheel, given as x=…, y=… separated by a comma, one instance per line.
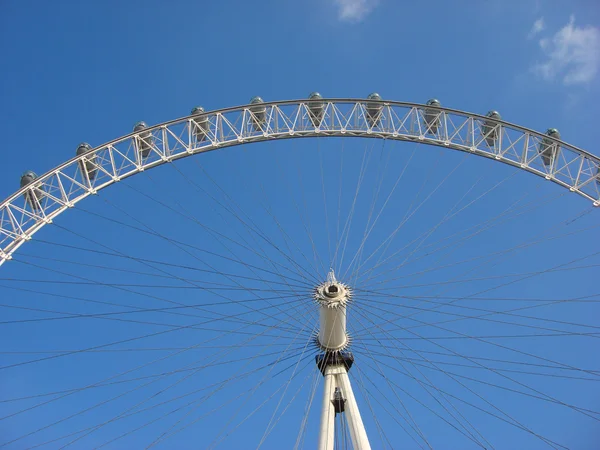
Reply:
x=206, y=303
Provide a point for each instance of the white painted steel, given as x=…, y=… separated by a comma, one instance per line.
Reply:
x=360, y=441
x=327, y=427
x=332, y=298
x=332, y=331
x=67, y=184
x=337, y=376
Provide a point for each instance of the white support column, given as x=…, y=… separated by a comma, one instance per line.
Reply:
x=337, y=376
x=332, y=298
x=358, y=433
x=327, y=429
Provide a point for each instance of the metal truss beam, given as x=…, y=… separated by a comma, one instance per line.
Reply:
x=62, y=187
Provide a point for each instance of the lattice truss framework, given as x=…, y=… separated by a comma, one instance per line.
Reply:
x=35, y=205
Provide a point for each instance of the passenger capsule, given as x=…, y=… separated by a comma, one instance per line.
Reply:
x=200, y=124
x=143, y=141
x=316, y=108
x=88, y=164
x=547, y=148
x=490, y=129
x=432, y=116
x=374, y=109
x=32, y=197
x=259, y=113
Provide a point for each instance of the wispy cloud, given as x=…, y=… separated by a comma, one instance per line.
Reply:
x=572, y=54
x=354, y=10
x=538, y=27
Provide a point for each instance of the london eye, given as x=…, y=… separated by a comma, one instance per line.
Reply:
x=394, y=277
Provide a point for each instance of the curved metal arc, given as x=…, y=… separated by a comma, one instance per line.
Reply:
x=122, y=157
x=327, y=101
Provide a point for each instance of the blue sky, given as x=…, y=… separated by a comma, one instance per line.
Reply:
x=87, y=71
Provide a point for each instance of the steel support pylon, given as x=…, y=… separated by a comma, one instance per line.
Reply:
x=338, y=398
x=336, y=378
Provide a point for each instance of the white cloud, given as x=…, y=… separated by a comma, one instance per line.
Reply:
x=354, y=10
x=538, y=27
x=572, y=54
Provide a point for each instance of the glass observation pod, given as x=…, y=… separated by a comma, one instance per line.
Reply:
x=490, y=128
x=374, y=109
x=316, y=108
x=143, y=141
x=200, y=125
x=259, y=113
x=548, y=147
x=432, y=116
x=87, y=165
x=32, y=197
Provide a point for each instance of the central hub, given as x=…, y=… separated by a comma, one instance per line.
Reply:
x=332, y=294
x=332, y=298
x=332, y=291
